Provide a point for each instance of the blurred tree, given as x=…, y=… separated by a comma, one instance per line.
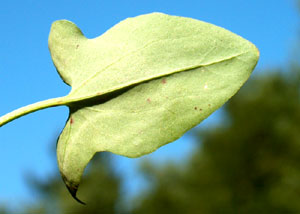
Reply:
x=250, y=164
x=3, y=209
x=99, y=189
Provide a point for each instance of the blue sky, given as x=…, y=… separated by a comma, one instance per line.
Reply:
x=27, y=74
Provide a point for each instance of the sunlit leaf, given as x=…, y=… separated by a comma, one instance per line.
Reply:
x=168, y=73
x=140, y=85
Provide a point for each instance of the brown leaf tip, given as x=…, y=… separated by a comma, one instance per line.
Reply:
x=72, y=189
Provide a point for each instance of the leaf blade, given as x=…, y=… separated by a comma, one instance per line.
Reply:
x=155, y=113
x=134, y=50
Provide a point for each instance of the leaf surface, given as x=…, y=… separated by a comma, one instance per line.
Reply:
x=137, y=50
x=142, y=84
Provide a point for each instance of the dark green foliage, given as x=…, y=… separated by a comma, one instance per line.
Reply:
x=100, y=190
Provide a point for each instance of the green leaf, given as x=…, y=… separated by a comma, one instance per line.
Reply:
x=140, y=85
x=180, y=69
x=137, y=50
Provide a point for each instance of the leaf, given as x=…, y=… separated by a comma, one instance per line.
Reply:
x=168, y=73
x=137, y=50
x=140, y=85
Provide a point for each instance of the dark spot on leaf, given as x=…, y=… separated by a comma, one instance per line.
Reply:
x=195, y=108
x=209, y=105
x=164, y=81
x=200, y=109
x=99, y=99
x=71, y=121
x=149, y=100
x=77, y=46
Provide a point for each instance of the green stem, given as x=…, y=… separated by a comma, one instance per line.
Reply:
x=31, y=108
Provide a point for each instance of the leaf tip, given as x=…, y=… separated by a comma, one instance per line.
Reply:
x=72, y=189
x=65, y=28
